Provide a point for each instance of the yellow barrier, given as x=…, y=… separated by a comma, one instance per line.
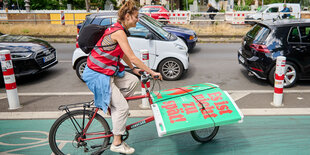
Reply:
x=69, y=18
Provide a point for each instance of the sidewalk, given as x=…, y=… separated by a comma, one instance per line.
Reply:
x=256, y=135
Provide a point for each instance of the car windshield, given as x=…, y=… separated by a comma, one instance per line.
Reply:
x=258, y=33
x=155, y=22
x=147, y=10
x=263, y=8
x=151, y=23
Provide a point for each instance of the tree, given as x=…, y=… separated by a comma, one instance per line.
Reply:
x=87, y=5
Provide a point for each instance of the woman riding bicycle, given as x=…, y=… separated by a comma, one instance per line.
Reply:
x=105, y=76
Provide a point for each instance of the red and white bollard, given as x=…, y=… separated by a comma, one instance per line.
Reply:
x=279, y=81
x=62, y=17
x=145, y=59
x=9, y=79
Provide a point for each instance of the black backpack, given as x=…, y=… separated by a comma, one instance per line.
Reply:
x=89, y=36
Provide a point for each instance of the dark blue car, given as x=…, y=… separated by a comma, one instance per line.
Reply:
x=188, y=36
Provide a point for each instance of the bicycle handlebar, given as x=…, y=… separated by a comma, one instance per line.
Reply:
x=146, y=77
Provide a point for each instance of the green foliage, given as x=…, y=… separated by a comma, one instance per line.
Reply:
x=25, y=31
x=242, y=8
x=44, y=4
x=190, y=2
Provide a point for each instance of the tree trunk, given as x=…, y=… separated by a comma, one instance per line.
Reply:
x=238, y=3
x=87, y=5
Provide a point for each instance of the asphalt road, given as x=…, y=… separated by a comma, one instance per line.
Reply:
x=212, y=63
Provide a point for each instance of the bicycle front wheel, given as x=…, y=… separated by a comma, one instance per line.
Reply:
x=67, y=129
x=205, y=135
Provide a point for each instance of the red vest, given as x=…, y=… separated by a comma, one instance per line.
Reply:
x=106, y=62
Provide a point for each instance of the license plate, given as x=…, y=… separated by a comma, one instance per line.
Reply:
x=241, y=59
x=49, y=57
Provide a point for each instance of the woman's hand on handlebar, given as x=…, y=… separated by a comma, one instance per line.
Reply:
x=156, y=75
x=137, y=71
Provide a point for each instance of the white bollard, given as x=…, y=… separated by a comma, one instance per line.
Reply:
x=9, y=79
x=279, y=81
x=62, y=17
x=145, y=59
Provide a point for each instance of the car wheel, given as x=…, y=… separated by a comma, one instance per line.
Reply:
x=291, y=75
x=171, y=69
x=79, y=68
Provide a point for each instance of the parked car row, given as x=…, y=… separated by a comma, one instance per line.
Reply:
x=169, y=50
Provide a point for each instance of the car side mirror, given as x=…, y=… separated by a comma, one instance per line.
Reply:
x=149, y=36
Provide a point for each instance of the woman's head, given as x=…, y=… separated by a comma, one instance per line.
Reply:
x=128, y=14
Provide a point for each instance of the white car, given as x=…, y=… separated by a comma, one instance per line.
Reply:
x=273, y=11
x=168, y=54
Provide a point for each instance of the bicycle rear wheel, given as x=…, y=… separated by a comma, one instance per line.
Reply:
x=63, y=136
x=205, y=135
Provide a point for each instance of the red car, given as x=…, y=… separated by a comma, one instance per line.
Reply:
x=154, y=12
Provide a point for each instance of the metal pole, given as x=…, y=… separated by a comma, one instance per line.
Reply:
x=18, y=6
x=73, y=18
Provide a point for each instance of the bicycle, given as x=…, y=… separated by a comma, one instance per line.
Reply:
x=90, y=132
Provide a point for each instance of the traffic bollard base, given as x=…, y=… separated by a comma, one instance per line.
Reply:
x=281, y=105
x=15, y=108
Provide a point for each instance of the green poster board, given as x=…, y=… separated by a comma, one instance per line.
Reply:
x=193, y=107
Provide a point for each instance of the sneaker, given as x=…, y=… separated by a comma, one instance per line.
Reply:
x=123, y=148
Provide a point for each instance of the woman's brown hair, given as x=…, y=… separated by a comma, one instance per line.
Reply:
x=127, y=7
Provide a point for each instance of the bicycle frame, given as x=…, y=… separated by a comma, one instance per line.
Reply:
x=128, y=127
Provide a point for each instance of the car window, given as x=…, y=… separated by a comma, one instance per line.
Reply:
x=147, y=10
x=105, y=21
x=294, y=35
x=154, y=9
x=159, y=30
x=258, y=33
x=305, y=34
x=154, y=21
x=274, y=9
x=97, y=21
x=138, y=31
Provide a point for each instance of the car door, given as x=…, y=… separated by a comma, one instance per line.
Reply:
x=299, y=46
x=138, y=42
x=305, y=48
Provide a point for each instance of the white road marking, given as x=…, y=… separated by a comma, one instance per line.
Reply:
x=238, y=95
x=145, y=113
x=65, y=61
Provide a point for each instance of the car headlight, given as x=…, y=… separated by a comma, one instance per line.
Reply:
x=21, y=55
x=179, y=46
x=191, y=37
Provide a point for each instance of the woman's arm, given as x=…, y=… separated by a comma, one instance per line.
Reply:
x=122, y=40
x=127, y=61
